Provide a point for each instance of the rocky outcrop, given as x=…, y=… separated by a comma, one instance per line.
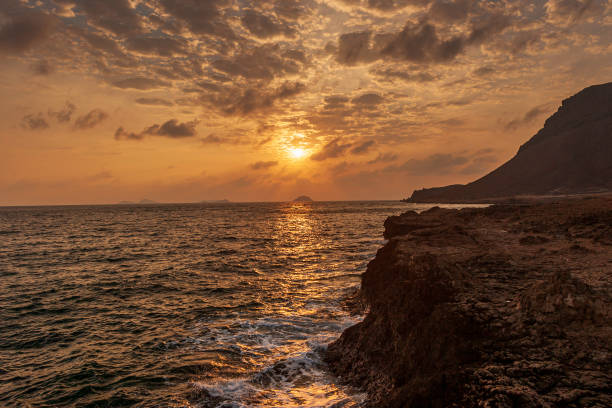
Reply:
x=506, y=306
x=571, y=154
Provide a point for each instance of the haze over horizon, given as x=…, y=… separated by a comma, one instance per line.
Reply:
x=184, y=101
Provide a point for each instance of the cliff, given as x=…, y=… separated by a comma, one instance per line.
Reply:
x=506, y=306
x=571, y=154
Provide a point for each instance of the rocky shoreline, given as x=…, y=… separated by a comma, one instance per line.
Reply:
x=505, y=306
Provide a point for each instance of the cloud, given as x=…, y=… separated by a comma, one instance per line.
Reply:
x=42, y=67
x=154, y=101
x=172, y=129
x=363, y=148
x=263, y=26
x=116, y=16
x=384, y=158
x=91, y=119
x=262, y=165
x=450, y=11
x=434, y=164
x=162, y=46
x=34, y=122
x=122, y=134
x=389, y=74
x=201, y=16
x=24, y=32
x=354, y=48
x=565, y=12
x=331, y=150
x=260, y=63
x=140, y=83
x=528, y=117
x=63, y=115
x=237, y=101
x=213, y=139
x=368, y=99
x=418, y=43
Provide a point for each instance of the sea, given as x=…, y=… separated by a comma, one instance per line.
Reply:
x=180, y=305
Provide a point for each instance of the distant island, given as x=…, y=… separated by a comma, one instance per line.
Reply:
x=143, y=201
x=571, y=154
x=303, y=199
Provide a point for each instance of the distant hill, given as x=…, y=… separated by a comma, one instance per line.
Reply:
x=147, y=201
x=303, y=199
x=214, y=201
x=571, y=154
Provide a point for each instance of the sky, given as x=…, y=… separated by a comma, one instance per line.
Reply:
x=188, y=100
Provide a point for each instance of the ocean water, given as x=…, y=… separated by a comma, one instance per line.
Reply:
x=195, y=305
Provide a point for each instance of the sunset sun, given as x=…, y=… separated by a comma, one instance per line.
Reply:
x=296, y=153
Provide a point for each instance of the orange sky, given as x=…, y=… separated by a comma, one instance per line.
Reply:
x=189, y=100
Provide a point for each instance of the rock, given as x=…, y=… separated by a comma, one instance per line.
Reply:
x=571, y=154
x=461, y=313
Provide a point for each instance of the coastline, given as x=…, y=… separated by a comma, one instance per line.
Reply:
x=497, y=307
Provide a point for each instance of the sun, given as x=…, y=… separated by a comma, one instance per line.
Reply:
x=296, y=152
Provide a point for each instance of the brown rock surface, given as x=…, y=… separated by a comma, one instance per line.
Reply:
x=571, y=154
x=507, y=306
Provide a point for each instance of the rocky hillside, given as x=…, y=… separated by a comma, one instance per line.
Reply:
x=506, y=306
x=571, y=154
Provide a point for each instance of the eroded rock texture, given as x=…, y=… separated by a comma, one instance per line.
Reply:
x=507, y=306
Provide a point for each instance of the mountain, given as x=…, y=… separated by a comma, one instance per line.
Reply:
x=147, y=201
x=303, y=199
x=215, y=201
x=571, y=154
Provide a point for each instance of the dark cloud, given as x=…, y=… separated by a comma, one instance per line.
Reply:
x=154, y=101
x=384, y=158
x=528, y=117
x=335, y=102
x=363, y=147
x=64, y=114
x=263, y=26
x=418, y=43
x=262, y=165
x=201, y=16
x=484, y=71
x=116, y=16
x=91, y=119
x=42, y=67
x=21, y=33
x=571, y=11
x=368, y=99
x=354, y=48
x=236, y=101
x=332, y=150
x=140, y=83
x=450, y=11
x=34, y=122
x=122, y=134
x=384, y=5
x=162, y=46
x=172, y=129
x=265, y=62
x=389, y=74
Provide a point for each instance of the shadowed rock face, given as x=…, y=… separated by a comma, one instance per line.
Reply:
x=506, y=306
x=571, y=154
